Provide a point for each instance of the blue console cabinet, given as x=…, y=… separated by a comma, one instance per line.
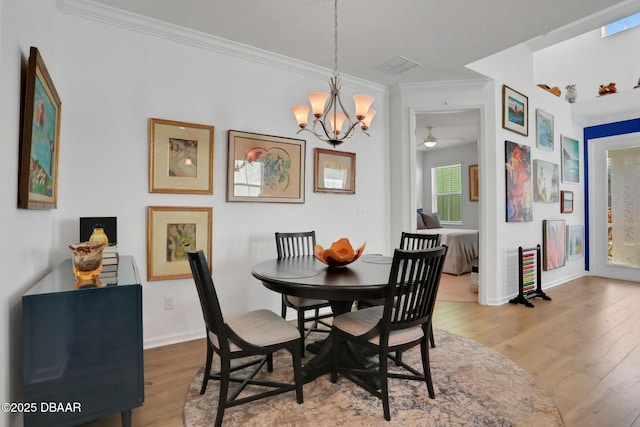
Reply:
x=82, y=348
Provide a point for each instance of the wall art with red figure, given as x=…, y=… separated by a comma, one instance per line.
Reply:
x=518, y=182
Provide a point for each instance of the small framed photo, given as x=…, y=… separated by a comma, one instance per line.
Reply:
x=553, y=240
x=515, y=111
x=544, y=130
x=180, y=157
x=334, y=171
x=473, y=183
x=575, y=241
x=40, y=138
x=171, y=232
x=265, y=168
x=566, y=201
x=570, y=160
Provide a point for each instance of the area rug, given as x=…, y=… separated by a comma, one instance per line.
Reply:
x=474, y=386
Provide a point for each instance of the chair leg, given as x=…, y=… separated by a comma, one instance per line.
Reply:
x=336, y=344
x=270, y=362
x=207, y=368
x=384, y=384
x=283, y=308
x=301, y=329
x=225, y=374
x=297, y=370
x=426, y=367
x=433, y=341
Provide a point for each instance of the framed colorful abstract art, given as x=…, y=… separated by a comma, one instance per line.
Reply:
x=518, y=182
x=553, y=244
x=264, y=168
x=40, y=139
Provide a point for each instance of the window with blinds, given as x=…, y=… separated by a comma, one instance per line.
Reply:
x=446, y=191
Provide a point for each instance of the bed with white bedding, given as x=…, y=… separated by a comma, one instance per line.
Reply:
x=463, y=248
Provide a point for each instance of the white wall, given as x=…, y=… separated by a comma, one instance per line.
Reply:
x=465, y=155
x=111, y=80
x=589, y=61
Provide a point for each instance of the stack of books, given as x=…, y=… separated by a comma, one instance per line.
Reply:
x=109, y=274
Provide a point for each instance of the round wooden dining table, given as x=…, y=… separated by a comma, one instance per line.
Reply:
x=305, y=276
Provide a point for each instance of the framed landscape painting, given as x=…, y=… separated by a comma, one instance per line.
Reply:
x=180, y=157
x=518, y=182
x=265, y=168
x=546, y=181
x=553, y=244
x=544, y=130
x=171, y=232
x=515, y=111
x=570, y=160
x=40, y=138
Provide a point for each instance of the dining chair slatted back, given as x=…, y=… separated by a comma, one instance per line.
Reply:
x=295, y=244
x=211, y=311
x=256, y=333
x=415, y=241
x=402, y=322
x=302, y=244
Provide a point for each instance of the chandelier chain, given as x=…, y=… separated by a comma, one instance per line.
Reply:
x=335, y=38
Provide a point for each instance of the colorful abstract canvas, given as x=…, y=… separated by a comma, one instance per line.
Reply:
x=553, y=248
x=518, y=182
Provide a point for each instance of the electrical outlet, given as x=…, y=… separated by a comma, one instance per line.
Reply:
x=169, y=302
x=361, y=212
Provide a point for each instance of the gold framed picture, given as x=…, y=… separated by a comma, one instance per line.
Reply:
x=473, y=183
x=40, y=138
x=180, y=157
x=265, y=168
x=515, y=111
x=171, y=232
x=334, y=171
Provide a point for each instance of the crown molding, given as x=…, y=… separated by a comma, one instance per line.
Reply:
x=88, y=9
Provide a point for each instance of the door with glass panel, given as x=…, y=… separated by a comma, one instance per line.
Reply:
x=614, y=206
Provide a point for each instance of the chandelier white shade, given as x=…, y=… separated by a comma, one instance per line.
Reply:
x=330, y=116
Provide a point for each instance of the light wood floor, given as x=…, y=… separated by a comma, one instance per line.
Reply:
x=583, y=348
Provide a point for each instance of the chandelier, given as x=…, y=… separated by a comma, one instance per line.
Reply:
x=331, y=117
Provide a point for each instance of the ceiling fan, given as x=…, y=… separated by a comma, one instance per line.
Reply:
x=430, y=140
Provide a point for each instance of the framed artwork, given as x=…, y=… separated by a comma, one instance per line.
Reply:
x=171, y=231
x=553, y=247
x=570, y=160
x=566, y=201
x=334, y=171
x=39, y=139
x=515, y=111
x=546, y=181
x=180, y=157
x=544, y=130
x=575, y=241
x=264, y=168
x=518, y=182
x=473, y=183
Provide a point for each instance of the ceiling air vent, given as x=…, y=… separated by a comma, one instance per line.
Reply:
x=397, y=65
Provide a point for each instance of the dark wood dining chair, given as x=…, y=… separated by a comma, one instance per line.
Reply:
x=402, y=322
x=301, y=244
x=410, y=241
x=260, y=332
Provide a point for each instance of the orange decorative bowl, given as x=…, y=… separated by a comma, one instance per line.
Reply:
x=340, y=254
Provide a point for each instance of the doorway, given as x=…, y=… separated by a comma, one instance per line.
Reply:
x=614, y=206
